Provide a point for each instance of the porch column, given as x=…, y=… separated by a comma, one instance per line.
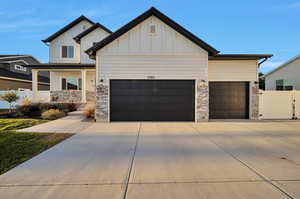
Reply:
x=83, y=89
x=34, y=85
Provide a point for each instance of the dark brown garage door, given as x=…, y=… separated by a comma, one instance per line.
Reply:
x=152, y=100
x=229, y=100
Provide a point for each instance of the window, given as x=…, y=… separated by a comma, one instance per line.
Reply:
x=84, y=27
x=71, y=83
x=20, y=68
x=285, y=84
x=67, y=51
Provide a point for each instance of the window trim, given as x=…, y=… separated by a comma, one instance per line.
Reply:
x=66, y=89
x=61, y=52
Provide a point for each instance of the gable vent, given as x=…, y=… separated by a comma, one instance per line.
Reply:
x=152, y=29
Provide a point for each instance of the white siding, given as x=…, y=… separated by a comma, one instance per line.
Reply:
x=290, y=71
x=67, y=39
x=232, y=70
x=165, y=55
x=87, y=42
x=55, y=79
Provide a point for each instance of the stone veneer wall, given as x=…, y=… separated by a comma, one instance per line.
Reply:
x=102, y=103
x=202, y=98
x=65, y=96
x=254, y=102
x=71, y=96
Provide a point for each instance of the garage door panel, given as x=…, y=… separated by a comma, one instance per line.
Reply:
x=229, y=100
x=152, y=100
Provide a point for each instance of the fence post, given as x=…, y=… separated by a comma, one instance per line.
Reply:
x=294, y=104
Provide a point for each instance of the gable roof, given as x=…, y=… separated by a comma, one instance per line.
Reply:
x=10, y=58
x=283, y=65
x=28, y=77
x=151, y=12
x=66, y=28
x=89, y=30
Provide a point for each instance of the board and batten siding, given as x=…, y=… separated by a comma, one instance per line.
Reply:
x=289, y=72
x=232, y=70
x=66, y=39
x=87, y=42
x=139, y=54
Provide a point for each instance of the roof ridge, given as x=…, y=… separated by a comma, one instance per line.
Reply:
x=67, y=27
x=283, y=65
x=150, y=12
x=78, y=37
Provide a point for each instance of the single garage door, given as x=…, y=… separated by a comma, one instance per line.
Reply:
x=152, y=100
x=229, y=100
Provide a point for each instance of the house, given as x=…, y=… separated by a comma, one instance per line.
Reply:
x=284, y=77
x=14, y=76
x=151, y=69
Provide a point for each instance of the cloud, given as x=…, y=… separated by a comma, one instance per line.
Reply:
x=269, y=65
x=272, y=64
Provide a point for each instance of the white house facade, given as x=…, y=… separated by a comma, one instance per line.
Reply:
x=284, y=77
x=151, y=69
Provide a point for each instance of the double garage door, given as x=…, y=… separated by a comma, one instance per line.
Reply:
x=152, y=100
x=174, y=100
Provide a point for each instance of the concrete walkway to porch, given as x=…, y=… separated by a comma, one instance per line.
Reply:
x=73, y=123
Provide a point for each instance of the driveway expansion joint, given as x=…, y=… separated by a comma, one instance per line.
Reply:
x=264, y=178
x=127, y=179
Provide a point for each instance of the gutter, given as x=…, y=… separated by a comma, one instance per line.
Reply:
x=265, y=59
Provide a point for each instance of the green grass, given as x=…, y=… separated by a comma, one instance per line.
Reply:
x=15, y=124
x=4, y=110
x=17, y=147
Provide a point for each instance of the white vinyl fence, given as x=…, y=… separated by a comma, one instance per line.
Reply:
x=279, y=104
x=43, y=96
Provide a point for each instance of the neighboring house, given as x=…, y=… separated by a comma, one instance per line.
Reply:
x=151, y=69
x=284, y=77
x=14, y=76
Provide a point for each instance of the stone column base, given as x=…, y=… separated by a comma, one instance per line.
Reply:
x=101, y=112
x=202, y=99
x=254, y=109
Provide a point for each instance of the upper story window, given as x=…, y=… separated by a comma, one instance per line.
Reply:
x=20, y=68
x=67, y=51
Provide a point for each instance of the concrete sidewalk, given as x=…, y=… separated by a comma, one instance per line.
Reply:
x=229, y=160
x=72, y=123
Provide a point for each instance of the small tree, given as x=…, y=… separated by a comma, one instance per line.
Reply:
x=9, y=97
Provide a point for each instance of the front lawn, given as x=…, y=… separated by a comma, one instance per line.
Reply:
x=17, y=147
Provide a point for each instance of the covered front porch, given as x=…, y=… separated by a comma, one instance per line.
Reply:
x=69, y=83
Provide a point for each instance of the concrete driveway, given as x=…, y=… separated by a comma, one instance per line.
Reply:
x=165, y=160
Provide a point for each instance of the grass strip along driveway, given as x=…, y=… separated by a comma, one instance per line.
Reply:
x=17, y=147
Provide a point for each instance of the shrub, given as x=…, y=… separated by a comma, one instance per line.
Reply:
x=52, y=114
x=29, y=110
x=35, y=110
x=9, y=97
x=89, y=111
x=26, y=102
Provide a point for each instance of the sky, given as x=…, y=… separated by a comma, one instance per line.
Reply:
x=230, y=26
